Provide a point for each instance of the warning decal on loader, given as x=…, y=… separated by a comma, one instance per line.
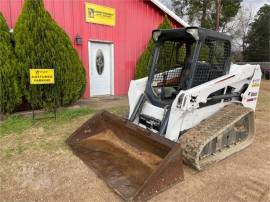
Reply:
x=41, y=76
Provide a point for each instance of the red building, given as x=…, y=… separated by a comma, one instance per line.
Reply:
x=109, y=35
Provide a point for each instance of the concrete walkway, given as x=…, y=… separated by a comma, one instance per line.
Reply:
x=103, y=102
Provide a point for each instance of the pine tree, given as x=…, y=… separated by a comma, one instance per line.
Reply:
x=41, y=43
x=143, y=62
x=258, y=37
x=203, y=12
x=10, y=95
x=180, y=7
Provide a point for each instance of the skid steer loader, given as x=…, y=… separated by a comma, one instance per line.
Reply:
x=194, y=105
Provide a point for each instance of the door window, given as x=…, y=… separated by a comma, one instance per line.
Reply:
x=99, y=61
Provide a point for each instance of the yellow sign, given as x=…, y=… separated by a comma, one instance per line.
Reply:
x=99, y=14
x=41, y=76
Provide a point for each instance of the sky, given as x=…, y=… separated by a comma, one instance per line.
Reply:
x=250, y=5
x=253, y=5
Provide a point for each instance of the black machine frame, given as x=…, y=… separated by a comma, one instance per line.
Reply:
x=199, y=40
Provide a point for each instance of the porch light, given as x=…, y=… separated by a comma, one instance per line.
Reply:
x=78, y=40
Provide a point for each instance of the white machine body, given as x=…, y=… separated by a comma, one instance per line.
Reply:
x=186, y=111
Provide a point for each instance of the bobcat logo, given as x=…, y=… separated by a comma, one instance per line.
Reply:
x=99, y=61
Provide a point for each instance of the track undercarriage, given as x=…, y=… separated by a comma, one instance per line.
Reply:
x=224, y=133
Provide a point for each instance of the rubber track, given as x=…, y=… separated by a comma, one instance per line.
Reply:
x=194, y=140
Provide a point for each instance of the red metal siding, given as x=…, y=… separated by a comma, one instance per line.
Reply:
x=135, y=19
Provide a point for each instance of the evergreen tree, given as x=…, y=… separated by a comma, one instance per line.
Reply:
x=3, y=24
x=41, y=43
x=203, y=12
x=143, y=62
x=10, y=95
x=258, y=38
x=180, y=7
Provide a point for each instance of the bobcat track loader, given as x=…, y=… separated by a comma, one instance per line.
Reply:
x=194, y=106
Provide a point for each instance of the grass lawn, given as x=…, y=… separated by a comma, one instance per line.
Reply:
x=17, y=123
x=21, y=133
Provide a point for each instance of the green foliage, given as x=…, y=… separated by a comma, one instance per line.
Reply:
x=229, y=9
x=180, y=7
x=3, y=24
x=10, y=95
x=258, y=38
x=41, y=43
x=145, y=58
x=203, y=12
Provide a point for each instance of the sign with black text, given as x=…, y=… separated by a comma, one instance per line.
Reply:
x=41, y=76
x=99, y=14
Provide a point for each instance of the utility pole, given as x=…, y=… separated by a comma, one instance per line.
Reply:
x=217, y=14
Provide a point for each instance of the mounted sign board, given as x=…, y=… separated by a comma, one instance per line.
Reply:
x=41, y=76
x=99, y=14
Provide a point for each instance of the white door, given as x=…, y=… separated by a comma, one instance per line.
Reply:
x=101, y=68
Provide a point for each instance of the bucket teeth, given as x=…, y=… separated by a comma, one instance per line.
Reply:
x=224, y=133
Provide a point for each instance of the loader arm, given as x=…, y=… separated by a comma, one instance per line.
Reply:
x=194, y=105
x=245, y=75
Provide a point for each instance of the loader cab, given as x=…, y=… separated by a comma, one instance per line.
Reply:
x=185, y=58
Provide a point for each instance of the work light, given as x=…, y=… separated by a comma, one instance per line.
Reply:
x=193, y=32
x=156, y=34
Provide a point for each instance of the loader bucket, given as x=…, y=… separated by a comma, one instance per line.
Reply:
x=133, y=161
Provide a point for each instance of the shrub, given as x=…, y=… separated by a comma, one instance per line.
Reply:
x=10, y=95
x=143, y=62
x=41, y=43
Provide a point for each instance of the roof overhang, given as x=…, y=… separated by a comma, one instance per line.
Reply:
x=170, y=13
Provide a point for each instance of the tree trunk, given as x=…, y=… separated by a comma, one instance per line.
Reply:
x=217, y=15
x=203, y=18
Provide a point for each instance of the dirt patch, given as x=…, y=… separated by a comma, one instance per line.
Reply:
x=49, y=176
x=44, y=169
x=108, y=141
